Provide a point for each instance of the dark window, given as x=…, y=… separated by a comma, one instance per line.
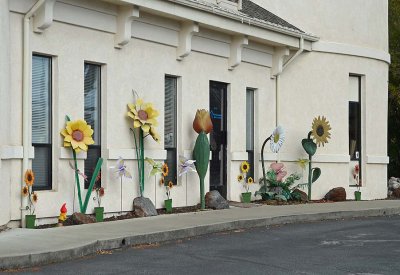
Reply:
x=355, y=119
x=41, y=121
x=250, y=130
x=92, y=95
x=170, y=119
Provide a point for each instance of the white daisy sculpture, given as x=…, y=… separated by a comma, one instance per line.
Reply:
x=277, y=139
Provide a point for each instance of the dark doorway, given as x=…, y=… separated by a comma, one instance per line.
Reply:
x=218, y=136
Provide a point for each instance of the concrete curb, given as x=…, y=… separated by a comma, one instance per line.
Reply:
x=48, y=257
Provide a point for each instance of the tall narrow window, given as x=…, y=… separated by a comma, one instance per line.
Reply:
x=250, y=130
x=41, y=121
x=355, y=121
x=92, y=95
x=170, y=118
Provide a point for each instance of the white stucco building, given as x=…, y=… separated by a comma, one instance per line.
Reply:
x=253, y=63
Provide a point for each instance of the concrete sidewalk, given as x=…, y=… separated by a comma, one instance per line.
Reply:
x=24, y=247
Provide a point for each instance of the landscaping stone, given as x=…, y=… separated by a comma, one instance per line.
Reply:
x=144, y=207
x=336, y=194
x=303, y=195
x=79, y=218
x=396, y=193
x=214, y=200
x=394, y=183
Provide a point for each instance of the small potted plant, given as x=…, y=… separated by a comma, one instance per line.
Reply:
x=99, y=210
x=168, y=201
x=32, y=198
x=356, y=177
x=242, y=177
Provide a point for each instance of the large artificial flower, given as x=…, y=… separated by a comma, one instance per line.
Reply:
x=78, y=134
x=156, y=167
x=245, y=167
x=277, y=139
x=186, y=165
x=320, y=130
x=143, y=115
x=202, y=122
x=120, y=169
x=279, y=171
x=29, y=177
x=153, y=133
x=302, y=163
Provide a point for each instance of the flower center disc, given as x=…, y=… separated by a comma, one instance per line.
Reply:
x=276, y=138
x=320, y=130
x=77, y=135
x=142, y=115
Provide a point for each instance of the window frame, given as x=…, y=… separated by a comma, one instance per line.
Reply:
x=174, y=178
x=251, y=152
x=49, y=145
x=99, y=97
x=359, y=137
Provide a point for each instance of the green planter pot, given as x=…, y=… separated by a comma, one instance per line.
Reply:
x=168, y=205
x=30, y=221
x=357, y=195
x=246, y=197
x=99, y=211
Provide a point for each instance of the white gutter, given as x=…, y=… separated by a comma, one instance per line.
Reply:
x=26, y=96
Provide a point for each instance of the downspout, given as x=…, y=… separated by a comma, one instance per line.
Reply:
x=26, y=95
x=277, y=82
x=277, y=78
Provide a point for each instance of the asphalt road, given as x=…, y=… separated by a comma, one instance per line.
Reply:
x=361, y=246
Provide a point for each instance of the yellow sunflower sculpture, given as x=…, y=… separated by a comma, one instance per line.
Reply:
x=320, y=130
x=165, y=169
x=144, y=116
x=29, y=177
x=78, y=134
x=245, y=167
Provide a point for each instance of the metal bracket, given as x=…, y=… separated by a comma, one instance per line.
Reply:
x=44, y=16
x=125, y=17
x=235, y=57
x=185, y=39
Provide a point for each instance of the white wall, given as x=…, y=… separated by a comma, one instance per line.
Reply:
x=142, y=64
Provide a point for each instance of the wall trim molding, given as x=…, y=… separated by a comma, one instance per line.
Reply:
x=15, y=152
x=66, y=153
x=348, y=49
x=373, y=159
x=323, y=158
x=130, y=154
x=239, y=156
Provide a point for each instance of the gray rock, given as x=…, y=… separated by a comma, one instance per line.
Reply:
x=214, y=200
x=336, y=194
x=303, y=195
x=394, y=183
x=144, y=207
x=79, y=218
x=277, y=190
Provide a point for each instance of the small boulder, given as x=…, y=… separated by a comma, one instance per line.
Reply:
x=336, y=194
x=214, y=200
x=394, y=183
x=396, y=193
x=79, y=218
x=144, y=207
x=302, y=195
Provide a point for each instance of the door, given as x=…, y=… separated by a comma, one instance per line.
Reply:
x=218, y=136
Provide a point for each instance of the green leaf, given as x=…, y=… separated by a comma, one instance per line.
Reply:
x=309, y=146
x=316, y=172
x=282, y=197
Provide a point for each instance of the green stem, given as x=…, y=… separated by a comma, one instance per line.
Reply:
x=78, y=185
x=262, y=162
x=137, y=155
x=92, y=182
x=309, y=177
x=202, y=200
x=141, y=174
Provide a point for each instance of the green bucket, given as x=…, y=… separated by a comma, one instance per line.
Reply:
x=99, y=211
x=30, y=221
x=168, y=205
x=246, y=197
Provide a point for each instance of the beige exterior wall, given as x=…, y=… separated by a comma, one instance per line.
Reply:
x=316, y=83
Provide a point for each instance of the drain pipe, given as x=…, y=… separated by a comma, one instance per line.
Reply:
x=26, y=95
x=277, y=82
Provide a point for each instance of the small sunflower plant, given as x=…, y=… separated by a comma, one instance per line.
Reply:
x=144, y=123
x=77, y=135
x=243, y=178
x=29, y=179
x=319, y=135
x=277, y=186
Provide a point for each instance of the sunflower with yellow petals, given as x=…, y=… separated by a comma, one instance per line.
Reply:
x=320, y=130
x=29, y=177
x=250, y=180
x=165, y=169
x=78, y=134
x=34, y=198
x=143, y=115
x=25, y=191
x=240, y=178
x=162, y=181
x=245, y=167
x=170, y=184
